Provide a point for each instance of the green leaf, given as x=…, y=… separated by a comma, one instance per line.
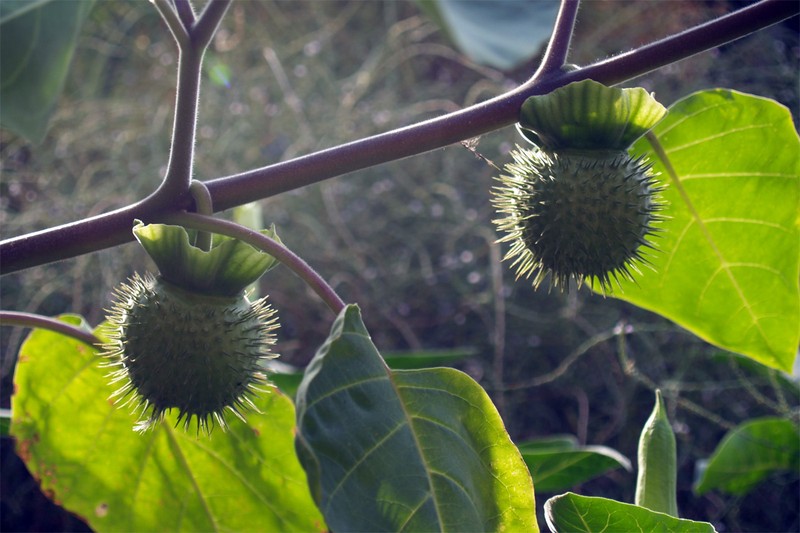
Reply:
x=86, y=456
x=729, y=259
x=426, y=358
x=750, y=453
x=551, y=443
x=37, y=42
x=573, y=513
x=288, y=378
x=410, y=450
x=499, y=33
x=558, y=463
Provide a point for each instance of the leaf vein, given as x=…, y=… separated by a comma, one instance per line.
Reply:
x=362, y=459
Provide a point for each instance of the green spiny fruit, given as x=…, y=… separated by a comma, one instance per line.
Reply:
x=174, y=348
x=190, y=339
x=577, y=206
x=577, y=215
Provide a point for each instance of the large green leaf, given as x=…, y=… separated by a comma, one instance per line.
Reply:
x=557, y=464
x=288, y=377
x=750, y=453
x=37, y=41
x=86, y=455
x=500, y=33
x=408, y=360
x=729, y=259
x=410, y=450
x=573, y=513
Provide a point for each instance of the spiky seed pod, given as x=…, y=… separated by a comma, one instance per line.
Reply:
x=190, y=339
x=201, y=355
x=576, y=217
x=577, y=206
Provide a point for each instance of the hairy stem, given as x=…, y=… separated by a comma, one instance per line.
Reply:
x=264, y=243
x=185, y=12
x=176, y=25
x=113, y=228
x=557, y=49
x=190, y=63
x=207, y=23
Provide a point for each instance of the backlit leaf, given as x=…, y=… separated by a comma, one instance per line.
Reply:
x=729, y=259
x=88, y=459
x=573, y=513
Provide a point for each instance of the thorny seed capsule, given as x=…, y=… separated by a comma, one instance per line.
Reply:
x=190, y=339
x=576, y=217
x=174, y=349
x=577, y=205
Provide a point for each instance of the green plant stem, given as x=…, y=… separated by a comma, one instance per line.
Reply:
x=205, y=206
x=577, y=353
x=778, y=389
x=270, y=246
x=752, y=390
x=110, y=229
x=30, y=320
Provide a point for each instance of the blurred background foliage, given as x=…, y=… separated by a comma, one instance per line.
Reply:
x=411, y=241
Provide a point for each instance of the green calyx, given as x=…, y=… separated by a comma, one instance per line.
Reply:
x=224, y=270
x=588, y=116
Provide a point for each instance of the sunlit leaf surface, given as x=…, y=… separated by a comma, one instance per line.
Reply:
x=573, y=513
x=89, y=460
x=409, y=450
x=729, y=259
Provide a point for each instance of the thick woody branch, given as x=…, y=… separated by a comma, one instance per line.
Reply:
x=115, y=228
